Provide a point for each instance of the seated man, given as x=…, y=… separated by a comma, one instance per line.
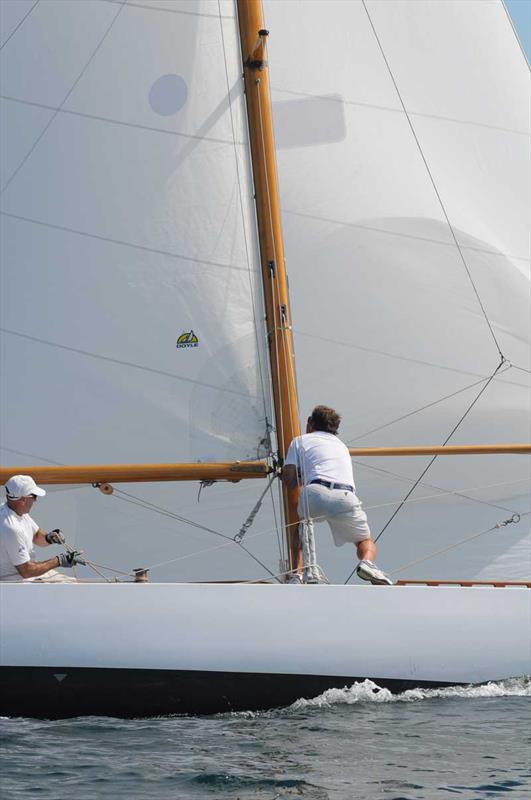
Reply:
x=19, y=533
x=321, y=463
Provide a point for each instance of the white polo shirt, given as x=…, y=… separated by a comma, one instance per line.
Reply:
x=321, y=455
x=16, y=542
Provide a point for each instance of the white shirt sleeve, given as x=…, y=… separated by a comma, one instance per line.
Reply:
x=291, y=455
x=16, y=547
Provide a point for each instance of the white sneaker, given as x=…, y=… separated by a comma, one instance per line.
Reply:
x=295, y=578
x=368, y=571
x=314, y=575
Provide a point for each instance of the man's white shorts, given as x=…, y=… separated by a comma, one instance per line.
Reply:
x=341, y=509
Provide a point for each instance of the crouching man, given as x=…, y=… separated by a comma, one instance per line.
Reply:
x=19, y=534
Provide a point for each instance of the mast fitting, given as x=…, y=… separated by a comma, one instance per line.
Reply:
x=105, y=488
x=257, y=58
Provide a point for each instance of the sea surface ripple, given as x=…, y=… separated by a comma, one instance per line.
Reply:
x=470, y=743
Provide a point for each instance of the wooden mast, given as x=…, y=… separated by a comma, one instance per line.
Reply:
x=278, y=318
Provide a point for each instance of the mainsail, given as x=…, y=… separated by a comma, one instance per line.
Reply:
x=129, y=242
x=403, y=156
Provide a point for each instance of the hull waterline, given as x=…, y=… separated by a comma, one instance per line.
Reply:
x=153, y=649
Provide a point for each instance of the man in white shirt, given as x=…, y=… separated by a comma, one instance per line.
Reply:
x=320, y=463
x=19, y=533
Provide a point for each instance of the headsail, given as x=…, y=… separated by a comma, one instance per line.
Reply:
x=129, y=240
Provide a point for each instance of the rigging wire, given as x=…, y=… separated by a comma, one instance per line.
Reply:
x=425, y=470
x=126, y=497
x=514, y=519
x=456, y=426
x=522, y=369
x=434, y=185
x=423, y=408
x=441, y=492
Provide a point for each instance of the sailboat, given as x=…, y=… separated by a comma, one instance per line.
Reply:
x=166, y=163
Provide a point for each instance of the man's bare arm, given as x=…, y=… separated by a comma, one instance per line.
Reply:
x=39, y=538
x=33, y=569
x=289, y=476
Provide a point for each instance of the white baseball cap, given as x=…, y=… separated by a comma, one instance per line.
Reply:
x=22, y=486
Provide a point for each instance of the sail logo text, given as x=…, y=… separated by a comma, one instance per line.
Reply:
x=188, y=339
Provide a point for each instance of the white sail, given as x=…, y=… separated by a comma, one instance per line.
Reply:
x=403, y=155
x=128, y=222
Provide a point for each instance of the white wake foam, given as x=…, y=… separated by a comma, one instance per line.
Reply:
x=370, y=692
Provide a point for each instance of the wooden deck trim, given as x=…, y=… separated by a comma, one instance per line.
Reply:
x=462, y=583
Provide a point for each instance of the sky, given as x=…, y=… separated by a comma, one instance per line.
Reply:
x=520, y=11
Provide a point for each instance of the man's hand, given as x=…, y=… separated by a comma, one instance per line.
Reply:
x=55, y=537
x=289, y=476
x=70, y=559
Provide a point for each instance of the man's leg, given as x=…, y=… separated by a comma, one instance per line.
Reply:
x=366, y=549
x=367, y=569
x=353, y=527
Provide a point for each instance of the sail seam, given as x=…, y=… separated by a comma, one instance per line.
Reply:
x=399, y=357
x=390, y=109
x=124, y=363
x=22, y=21
x=179, y=11
x=434, y=185
x=400, y=234
x=123, y=243
x=122, y=123
x=441, y=493
x=52, y=118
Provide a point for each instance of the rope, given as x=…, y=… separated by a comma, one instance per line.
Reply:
x=250, y=519
x=92, y=565
x=439, y=198
x=125, y=497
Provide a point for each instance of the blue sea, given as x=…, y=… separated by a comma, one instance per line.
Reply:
x=469, y=743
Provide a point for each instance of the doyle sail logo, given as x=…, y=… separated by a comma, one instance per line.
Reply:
x=188, y=339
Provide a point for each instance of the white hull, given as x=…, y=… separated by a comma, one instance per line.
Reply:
x=394, y=635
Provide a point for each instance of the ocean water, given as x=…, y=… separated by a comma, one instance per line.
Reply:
x=466, y=743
